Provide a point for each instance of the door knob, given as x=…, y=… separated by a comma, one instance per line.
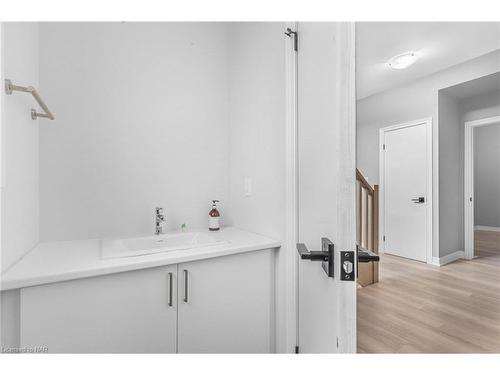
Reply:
x=418, y=200
x=326, y=255
x=311, y=255
x=365, y=256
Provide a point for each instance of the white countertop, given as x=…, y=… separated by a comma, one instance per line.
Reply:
x=60, y=261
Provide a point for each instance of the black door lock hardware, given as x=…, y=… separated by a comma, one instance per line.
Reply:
x=325, y=256
x=347, y=266
x=365, y=256
x=418, y=200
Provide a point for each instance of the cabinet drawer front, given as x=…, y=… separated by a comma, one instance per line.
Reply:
x=122, y=313
x=228, y=306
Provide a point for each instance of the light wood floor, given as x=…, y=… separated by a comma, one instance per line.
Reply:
x=418, y=308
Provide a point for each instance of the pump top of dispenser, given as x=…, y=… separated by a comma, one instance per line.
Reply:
x=214, y=212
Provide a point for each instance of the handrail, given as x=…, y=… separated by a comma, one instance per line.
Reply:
x=9, y=88
x=364, y=182
x=367, y=227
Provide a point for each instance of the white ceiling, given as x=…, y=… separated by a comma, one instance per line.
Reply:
x=439, y=45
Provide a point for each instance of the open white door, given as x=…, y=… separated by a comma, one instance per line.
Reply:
x=326, y=184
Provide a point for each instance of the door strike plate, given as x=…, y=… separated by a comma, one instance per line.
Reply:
x=347, y=266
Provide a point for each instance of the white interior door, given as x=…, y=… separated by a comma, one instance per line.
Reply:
x=326, y=183
x=405, y=191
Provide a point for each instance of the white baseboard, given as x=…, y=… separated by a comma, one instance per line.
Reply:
x=484, y=227
x=436, y=261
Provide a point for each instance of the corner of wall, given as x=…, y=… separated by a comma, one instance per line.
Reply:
x=20, y=176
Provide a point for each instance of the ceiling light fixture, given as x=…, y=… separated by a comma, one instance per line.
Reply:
x=403, y=60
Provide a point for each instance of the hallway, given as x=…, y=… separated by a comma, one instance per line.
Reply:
x=418, y=308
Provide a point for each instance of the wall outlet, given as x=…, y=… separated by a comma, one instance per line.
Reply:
x=248, y=186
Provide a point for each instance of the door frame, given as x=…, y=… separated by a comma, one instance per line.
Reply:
x=291, y=196
x=469, y=201
x=2, y=154
x=430, y=182
x=346, y=87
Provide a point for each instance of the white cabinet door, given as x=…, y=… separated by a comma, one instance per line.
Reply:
x=226, y=304
x=123, y=313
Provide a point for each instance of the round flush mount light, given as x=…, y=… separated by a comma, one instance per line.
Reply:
x=403, y=60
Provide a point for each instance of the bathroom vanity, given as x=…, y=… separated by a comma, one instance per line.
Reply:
x=217, y=298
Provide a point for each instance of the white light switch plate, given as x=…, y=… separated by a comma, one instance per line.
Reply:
x=248, y=186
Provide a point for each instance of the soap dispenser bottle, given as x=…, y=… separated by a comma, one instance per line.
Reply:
x=213, y=217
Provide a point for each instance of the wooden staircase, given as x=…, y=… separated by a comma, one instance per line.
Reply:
x=367, y=224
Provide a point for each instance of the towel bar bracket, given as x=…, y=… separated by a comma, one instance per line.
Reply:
x=10, y=88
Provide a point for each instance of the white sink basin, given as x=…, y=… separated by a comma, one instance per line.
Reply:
x=137, y=246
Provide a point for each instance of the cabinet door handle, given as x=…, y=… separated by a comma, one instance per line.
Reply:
x=185, y=285
x=170, y=289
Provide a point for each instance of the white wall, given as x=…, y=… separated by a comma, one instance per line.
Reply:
x=486, y=157
x=20, y=230
x=141, y=121
x=19, y=169
x=480, y=106
x=451, y=218
x=411, y=102
x=453, y=112
x=487, y=176
x=257, y=118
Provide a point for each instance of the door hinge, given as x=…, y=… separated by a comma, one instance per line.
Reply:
x=296, y=349
x=384, y=238
x=337, y=342
x=293, y=34
x=383, y=146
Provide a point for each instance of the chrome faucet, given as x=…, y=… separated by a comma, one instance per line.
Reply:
x=159, y=220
